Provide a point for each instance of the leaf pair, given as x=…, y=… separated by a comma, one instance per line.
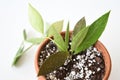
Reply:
x=94, y=32
x=78, y=39
x=18, y=54
x=79, y=34
x=58, y=39
x=58, y=25
x=37, y=23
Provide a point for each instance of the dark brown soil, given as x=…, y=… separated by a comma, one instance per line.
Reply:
x=87, y=65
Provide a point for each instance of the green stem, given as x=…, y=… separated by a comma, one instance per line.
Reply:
x=28, y=48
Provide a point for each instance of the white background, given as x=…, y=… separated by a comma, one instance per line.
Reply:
x=14, y=18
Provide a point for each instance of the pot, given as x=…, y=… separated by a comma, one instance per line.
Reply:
x=98, y=45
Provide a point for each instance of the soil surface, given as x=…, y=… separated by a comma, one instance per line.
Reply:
x=87, y=65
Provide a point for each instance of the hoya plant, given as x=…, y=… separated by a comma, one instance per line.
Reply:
x=83, y=36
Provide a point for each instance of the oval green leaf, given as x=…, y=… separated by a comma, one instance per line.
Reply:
x=94, y=32
x=78, y=38
x=58, y=40
x=35, y=19
x=79, y=26
x=58, y=25
x=53, y=62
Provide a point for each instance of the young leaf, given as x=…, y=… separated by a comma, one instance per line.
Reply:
x=57, y=25
x=94, y=32
x=35, y=19
x=35, y=40
x=78, y=38
x=18, y=54
x=53, y=62
x=79, y=26
x=58, y=40
x=67, y=35
x=24, y=34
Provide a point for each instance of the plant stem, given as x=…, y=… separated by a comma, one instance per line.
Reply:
x=28, y=48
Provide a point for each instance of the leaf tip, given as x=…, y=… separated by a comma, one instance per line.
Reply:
x=24, y=34
x=109, y=12
x=83, y=17
x=29, y=5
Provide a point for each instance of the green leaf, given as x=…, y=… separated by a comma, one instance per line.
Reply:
x=79, y=26
x=18, y=54
x=58, y=40
x=78, y=38
x=24, y=34
x=58, y=25
x=53, y=62
x=94, y=32
x=67, y=35
x=35, y=19
x=35, y=40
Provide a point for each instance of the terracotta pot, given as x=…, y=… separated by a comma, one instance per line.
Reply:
x=98, y=45
x=106, y=57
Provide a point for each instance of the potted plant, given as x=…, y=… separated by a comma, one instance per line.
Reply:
x=68, y=55
x=75, y=55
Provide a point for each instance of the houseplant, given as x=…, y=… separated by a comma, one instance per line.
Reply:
x=79, y=52
x=65, y=51
x=99, y=46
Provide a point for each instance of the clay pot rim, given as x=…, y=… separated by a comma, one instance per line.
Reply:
x=98, y=45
